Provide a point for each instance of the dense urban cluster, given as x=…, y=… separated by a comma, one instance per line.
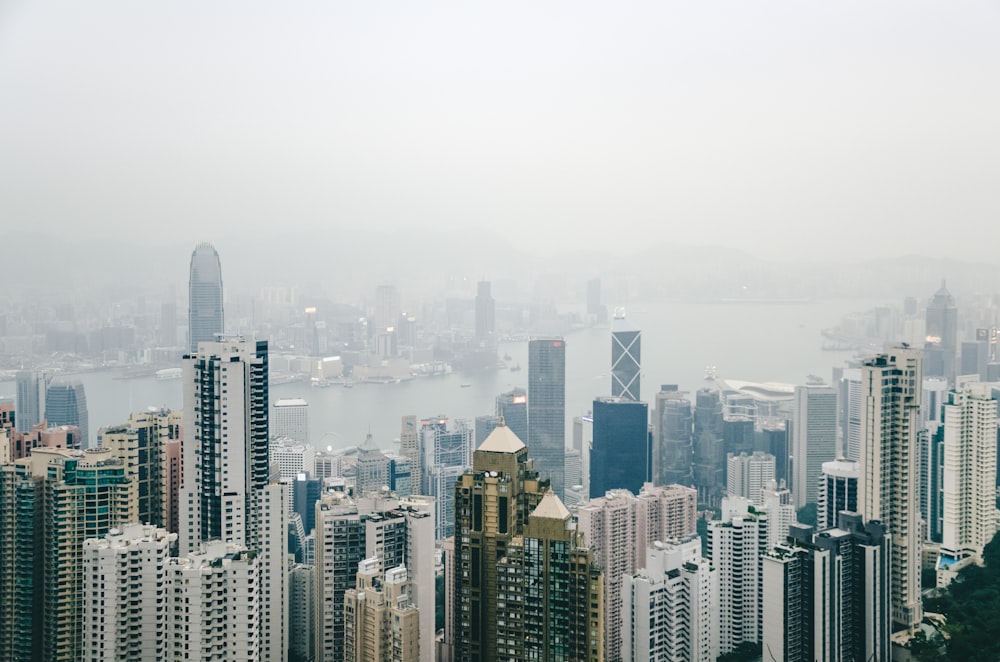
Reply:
x=821, y=521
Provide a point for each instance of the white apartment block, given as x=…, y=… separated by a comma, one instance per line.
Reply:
x=125, y=589
x=970, y=469
x=747, y=475
x=670, y=609
x=781, y=513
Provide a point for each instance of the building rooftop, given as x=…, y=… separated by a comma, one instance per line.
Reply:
x=551, y=507
x=501, y=440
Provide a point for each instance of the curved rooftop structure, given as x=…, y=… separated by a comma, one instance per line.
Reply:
x=205, y=314
x=765, y=391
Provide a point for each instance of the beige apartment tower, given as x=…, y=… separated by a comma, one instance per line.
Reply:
x=381, y=622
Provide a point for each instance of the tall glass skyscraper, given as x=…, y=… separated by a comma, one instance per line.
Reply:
x=30, y=404
x=622, y=453
x=547, y=408
x=66, y=404
x=205, y=318
x=626, y=344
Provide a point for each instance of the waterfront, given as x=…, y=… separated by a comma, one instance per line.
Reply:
x=759, y=342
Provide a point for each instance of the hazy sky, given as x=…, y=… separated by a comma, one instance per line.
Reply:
x=785, y=128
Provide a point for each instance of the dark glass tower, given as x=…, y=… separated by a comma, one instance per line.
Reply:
x=674, y=423
x=513, y=406
x=621, y=455
x=205, y=318
x=942, y=335
x=66, y=404
x=626, y=344
x=547, y=408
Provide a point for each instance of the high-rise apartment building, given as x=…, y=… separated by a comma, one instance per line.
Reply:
x=748, y=475
x=838, y=490
x=814, y=431
x=626, y=356
x=66, y=404
x=850, y=405
x=290, y=419
x=970, y=468
x=826, y=594
x=735, y=545
x=621, y=454
x=670, y=608
x=486, y=311
x=205, y=312
x=547, y=408
x=673, y=449
x=301, y=612
x=30, y=401
x=381, y=623
x=50, y=504
x=396, y=532
x=888, y=489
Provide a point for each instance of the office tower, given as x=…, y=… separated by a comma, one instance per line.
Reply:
x=934, y=394
x=737, y=435
x=141, y=444
x=670, y=608
x=66, y=404
x=409, y=447
x=372, y=468
x=547, y=408
x=205, y=312
x=485, y=425
x=492, y=502
x=214, y=610
x=748, y=475
x=513, y=406
x=397, y=532
x=560, y=615
x=838, y=490
x=772, y=433
x=486, y=310
x=168, y=324
x=826, y=594
x=328, y=465
x=596, y=310
x=890, y=385
x=125, y=594
x=942, y=335
x=709, y=454
x=735, y=545
x=30, y=401
x=226, y=458
x=583, y=442
x=292, y=457
x=973, y=358
x=573, y=477
x=626, y=355
x=50, y=504
x=814, y=432
x=673, y=450
x=387, y=307
x=301, y=614
x=970, y=469
x=290, y=418
x=850, y=408
x=401, y=476
x=446, y=450
x=381, y=623
x=621, y=454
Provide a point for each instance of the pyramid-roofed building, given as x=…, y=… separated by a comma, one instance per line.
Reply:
x=501, y=440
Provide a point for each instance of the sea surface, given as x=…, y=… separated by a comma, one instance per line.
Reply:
x=777, y=342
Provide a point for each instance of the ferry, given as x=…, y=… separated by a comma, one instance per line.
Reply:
x=169, y=373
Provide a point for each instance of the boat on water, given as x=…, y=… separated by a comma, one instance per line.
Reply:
x=464, y=385
x=169, y=373
x=515, y=368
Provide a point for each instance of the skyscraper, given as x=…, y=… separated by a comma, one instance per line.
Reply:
x=626, y=355
x=838, y=490
x=486, y=306
x=30, y=402
x=709, y=454
x=446, y=452
x=380, y=619
x=513, y=406
x=621, y=455
x=547, y=408
x=814, y=442
x=888, y=490
x=673, y=450
x=290, y=418
x=748, y=475
x=970, y=468
x=66, y=404
x=942, y=335
x=205, y=314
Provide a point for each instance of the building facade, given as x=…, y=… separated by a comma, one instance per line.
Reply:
x=547, y=408
x=205, y=312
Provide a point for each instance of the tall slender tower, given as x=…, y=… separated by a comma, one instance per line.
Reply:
x=486, y=310
x=814, y=442
x=888, y=489
x=66, y=404
x=30, y=404
x=626, y=346
x=942, y=334
x=205, y=318
x=547, y=408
